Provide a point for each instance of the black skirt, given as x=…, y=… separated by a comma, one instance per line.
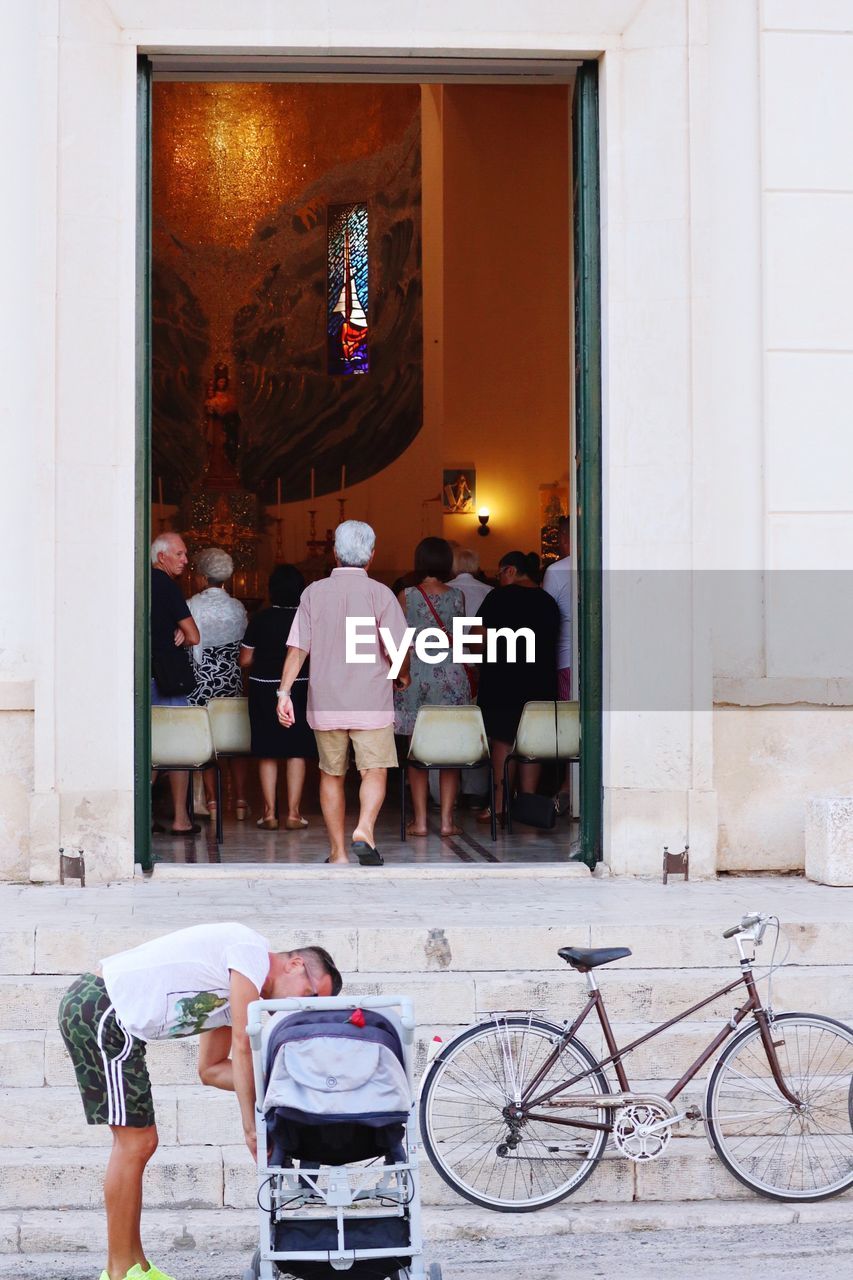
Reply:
x=270, y=740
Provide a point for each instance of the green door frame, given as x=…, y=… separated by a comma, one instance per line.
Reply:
x=587, y=258
x=587, y=246
x=142, y=571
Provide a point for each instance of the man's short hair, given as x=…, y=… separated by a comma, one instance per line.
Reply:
x=465, y=560
x=354, y=543
x=318, y=962
x=162, y=542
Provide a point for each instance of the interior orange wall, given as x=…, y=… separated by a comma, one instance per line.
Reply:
x=497, y=328
x=507, y=301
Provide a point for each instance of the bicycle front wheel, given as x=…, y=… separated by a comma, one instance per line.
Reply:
x=783, y=1151
x=488, y=1159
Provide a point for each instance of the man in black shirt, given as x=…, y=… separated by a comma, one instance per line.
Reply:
x=172, y=628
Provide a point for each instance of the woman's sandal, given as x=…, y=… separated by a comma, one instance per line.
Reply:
x=267, y=824
x=295, y=824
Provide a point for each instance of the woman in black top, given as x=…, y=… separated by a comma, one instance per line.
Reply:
x=506, y=686
x=263, y=651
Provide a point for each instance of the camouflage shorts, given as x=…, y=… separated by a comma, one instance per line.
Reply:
x=112, y=1074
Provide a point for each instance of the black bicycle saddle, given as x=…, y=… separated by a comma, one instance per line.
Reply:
x=582, y=958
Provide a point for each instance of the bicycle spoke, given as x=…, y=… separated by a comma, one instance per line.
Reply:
x=792, y=1152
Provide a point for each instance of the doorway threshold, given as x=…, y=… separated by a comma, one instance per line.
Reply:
x=398, y=871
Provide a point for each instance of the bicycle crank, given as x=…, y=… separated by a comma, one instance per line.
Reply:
x=642, y=1131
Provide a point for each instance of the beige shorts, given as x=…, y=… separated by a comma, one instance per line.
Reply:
x=373, y=749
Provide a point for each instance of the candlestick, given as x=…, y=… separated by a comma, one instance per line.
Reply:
x=278, y=492
x=160, y=490
x=343, y=477
x=312, y=482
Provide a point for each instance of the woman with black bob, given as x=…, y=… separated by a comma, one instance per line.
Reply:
x=263, y=653
x=506, y=686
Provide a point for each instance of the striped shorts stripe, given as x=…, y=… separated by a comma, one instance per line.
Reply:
x=110, y=1065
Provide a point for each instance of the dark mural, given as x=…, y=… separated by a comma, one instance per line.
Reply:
x=244, y=177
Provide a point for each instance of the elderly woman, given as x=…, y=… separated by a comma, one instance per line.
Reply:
x=221, y=621
x=429, y=604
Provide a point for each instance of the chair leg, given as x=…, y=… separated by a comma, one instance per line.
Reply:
x=218, y=805
x=402, y=802
x=492, y=805
x=191, y=797
x=506, y=807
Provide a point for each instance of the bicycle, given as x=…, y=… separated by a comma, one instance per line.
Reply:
x=516, y=1112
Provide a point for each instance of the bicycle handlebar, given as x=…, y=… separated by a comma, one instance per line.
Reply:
x=747, y=921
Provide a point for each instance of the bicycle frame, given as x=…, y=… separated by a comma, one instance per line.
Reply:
x=753, y=1005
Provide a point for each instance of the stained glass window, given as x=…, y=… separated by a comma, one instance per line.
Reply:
x=347, y=323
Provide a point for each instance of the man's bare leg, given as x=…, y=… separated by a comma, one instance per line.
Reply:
x=132, y=1149
x=333, y=807
x=370, y=797
x=295, y=771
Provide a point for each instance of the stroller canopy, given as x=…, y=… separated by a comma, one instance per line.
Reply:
x=333, y=1066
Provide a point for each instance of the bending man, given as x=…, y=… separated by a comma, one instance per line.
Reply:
x=198, y=980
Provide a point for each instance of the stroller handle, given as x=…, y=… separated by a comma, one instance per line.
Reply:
x=293, y=1004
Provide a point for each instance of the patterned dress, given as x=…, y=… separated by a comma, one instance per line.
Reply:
x=221, y=621
x=442, y=683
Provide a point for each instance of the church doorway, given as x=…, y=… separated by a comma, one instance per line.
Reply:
x=373, y=294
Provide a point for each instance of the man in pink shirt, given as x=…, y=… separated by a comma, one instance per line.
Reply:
x=348, y=702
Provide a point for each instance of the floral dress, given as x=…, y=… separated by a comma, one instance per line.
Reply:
x=221, y=621
x=442, y=683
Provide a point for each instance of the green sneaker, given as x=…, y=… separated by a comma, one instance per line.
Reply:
x=153, y=1273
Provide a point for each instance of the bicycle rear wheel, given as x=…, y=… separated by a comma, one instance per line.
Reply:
x=475, y=1149
x=779, y=1150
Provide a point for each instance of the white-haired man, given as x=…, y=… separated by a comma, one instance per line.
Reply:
x=173, y=629
x=348, y=702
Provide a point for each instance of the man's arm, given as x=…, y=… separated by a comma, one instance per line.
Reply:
x=243, y=992
x=188, y=630
x=292, y=666
x=214, y=1059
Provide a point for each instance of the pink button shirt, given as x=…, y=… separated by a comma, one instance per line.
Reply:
x=344, y=695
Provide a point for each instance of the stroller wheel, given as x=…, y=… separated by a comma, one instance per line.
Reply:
x=252, y=1272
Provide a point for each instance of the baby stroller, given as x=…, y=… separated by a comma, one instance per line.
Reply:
x=338, y=1184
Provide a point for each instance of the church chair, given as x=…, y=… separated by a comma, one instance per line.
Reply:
x=182, y=741
x=448, y=738
x=536, y=740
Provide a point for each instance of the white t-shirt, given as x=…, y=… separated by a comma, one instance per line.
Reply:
x=473, y=590
x=179, y=985
x=558, y=583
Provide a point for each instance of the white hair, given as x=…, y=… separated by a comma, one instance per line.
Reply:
x=214, y=564
x=465, y=560
x=354, y=543
x=162, y=542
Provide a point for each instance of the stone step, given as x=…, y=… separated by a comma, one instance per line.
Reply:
x=210, y=1177
x=454, y=999
x=33, y=1232
x=79, y=947
x=32, y=1059
x=187, y=1115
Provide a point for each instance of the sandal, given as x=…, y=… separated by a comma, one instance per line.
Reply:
x=242, y=809
x=366, y=854
x=295, y=824
x=267, y=824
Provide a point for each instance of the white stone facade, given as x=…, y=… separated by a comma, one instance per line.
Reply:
x=727, y=312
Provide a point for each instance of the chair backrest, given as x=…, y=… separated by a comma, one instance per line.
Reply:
x=535, y=736
x=229, y=724
x=180, y=736
x=448, y=736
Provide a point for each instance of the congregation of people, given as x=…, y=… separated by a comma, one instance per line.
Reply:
x=305, y=704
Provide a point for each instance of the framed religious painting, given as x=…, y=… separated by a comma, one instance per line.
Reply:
x=459, y=491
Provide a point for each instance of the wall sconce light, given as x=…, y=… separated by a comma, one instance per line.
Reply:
x=483, y=517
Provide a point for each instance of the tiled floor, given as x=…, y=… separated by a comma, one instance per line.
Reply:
x=243, y=842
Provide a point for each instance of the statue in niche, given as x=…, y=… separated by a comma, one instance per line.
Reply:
x=221, y=428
